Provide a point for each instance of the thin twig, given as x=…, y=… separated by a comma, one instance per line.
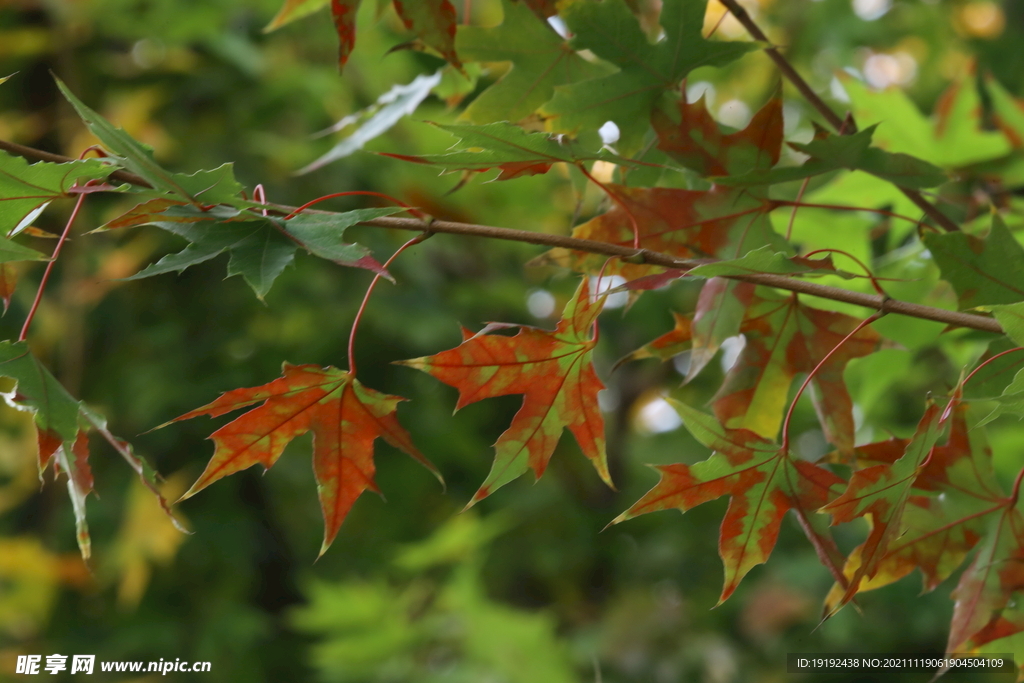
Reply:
x=833, y=119
x=49, y=267
x=872, y=301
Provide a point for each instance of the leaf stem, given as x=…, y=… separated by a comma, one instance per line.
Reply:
x=366, y=193
x=998, y=355
x=867, y=271
x=49, y=267
x=792, y=406
x=366, y=298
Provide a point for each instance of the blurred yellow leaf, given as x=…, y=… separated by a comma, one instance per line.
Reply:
x=29, y=576
x=147, y=538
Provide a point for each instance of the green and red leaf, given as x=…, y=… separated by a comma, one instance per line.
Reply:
x=434, y=22
x=784, y=338
x=698, y=143
x=763, y=482
x=555, y=374
x=882, y=492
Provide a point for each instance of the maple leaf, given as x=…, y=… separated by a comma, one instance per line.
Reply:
x=513, y=150
x=260, y=247
x=62, y=425
x=645, y=70
x=957, y=135
x=784, y=337
x=763, y=481
x=983, y=271
x=344, y=416
x=434, y=23
x=541, y=60
x=27, y=189
x=553, y=371
x=830, y=152
x=954, y=493
x=697, y=142
x=882, y=491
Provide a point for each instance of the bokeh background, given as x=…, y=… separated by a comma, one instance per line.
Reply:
x=528, y=587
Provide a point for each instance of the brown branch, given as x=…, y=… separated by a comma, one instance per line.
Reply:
x=872, y=301
x=930, y=210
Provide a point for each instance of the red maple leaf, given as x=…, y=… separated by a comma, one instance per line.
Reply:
x=553, y=371
x=344, y=14
x=697, y=142
x=344, y=416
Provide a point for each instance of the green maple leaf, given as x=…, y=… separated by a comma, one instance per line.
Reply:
x=540, y=60
x=259, y=247
x=513, y=150
x=983, y=271
x=645, y=70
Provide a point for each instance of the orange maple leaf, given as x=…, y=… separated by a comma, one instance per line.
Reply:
x=553, y=371
x=344, y=416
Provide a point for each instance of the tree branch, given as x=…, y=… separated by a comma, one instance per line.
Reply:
x=872, y=301
x=941, y=219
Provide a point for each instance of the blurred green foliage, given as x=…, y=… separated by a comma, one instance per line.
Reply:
x=528, y=588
